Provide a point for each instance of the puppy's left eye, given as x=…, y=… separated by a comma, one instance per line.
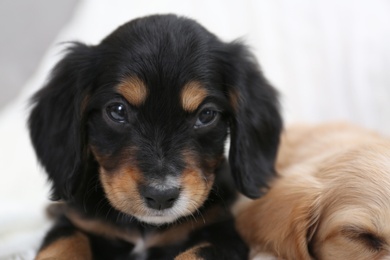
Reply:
x=206, y=117
x=117, y=112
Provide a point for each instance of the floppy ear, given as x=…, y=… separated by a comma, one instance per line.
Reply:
x=255, y=122
x=283, y=221
x=55, y=122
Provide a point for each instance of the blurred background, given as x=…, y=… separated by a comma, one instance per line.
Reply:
x=27, y=29
x=330, y=60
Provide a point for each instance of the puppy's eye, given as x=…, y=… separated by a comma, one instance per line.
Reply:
x=117, y=112
x=367, y=238
x=206, y=117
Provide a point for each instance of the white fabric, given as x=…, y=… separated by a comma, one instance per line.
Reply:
x=329, y=59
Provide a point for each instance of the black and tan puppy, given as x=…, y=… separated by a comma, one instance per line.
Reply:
x=131, y=132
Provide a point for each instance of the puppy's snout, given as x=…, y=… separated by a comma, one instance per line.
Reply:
x=160, y=199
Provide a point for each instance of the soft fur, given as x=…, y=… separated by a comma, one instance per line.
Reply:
x=331, y=201
x=131, y=133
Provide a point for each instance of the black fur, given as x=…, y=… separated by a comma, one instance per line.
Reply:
x=255, y=127
x=165, y=52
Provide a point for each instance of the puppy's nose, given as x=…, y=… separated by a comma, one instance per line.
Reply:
x=160, y=199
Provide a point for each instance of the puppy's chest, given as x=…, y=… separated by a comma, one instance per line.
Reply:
x=148, y=242
x=176, y=235
x=152, y=244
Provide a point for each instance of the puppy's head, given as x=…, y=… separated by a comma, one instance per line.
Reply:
x=339, y=212
x=147, y=113
x=355, y=213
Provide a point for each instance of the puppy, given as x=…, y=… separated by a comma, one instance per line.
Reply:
x=331, y=201
x=131, y=133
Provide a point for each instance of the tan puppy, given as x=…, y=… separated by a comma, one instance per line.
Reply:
x=331, y=201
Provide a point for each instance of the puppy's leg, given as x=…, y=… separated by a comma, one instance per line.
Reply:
x=64, y=241
x=217, y=241
x=202, y=251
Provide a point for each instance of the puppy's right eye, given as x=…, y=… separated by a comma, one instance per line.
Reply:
x=117, y=112
x=206, y=117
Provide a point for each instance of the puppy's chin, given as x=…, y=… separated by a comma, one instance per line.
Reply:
x=158, y=220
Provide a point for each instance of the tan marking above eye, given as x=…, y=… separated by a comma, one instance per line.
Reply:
x=192, y=96
x=133, y=90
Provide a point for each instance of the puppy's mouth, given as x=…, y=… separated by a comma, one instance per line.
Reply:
x=156, y=204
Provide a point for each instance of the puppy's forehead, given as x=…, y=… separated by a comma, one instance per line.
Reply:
x=135, y=91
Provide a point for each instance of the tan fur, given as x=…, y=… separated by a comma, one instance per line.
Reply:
x=332, y=197
x=191, y=254
x=196, y=184
x=121, y=188
x=195, y=188
x=101, y=228
x=74, y=247
x=133, y=90
x=120, y=179
x=192, y=96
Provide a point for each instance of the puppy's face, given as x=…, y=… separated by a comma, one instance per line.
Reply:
x=158, y=144
x=147, y=113
x=354, y=222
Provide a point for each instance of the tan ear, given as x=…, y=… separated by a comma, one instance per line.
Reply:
x=284, y=220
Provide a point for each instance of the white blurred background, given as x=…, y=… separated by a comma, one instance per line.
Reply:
x=329, y=59
x=27, y=29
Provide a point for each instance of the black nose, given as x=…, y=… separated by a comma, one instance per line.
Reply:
x=160, y=199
